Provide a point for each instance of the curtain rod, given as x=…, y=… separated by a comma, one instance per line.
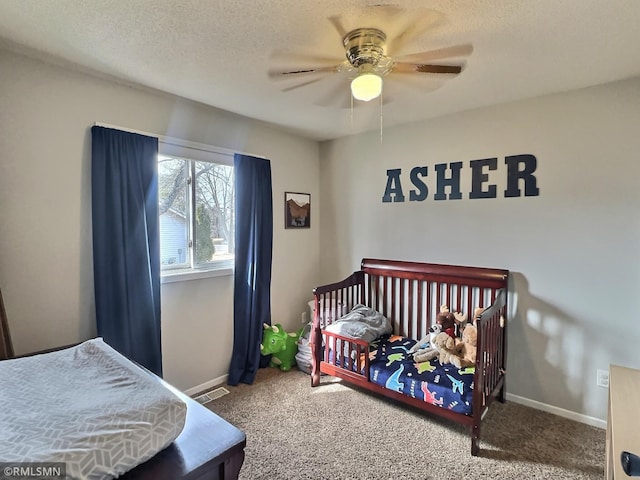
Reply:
x=180, y=142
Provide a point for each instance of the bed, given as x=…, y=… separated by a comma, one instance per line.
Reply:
x=104, y=416
x=409, y=295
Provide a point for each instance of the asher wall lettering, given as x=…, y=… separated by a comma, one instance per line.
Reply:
x=520, y=170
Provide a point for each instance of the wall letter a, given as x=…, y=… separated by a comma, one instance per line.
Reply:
x=394, y=187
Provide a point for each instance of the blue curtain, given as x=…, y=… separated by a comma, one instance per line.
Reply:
x=126, y=243
x=252, y=282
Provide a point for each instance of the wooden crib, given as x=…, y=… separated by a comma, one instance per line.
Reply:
x=410, y=294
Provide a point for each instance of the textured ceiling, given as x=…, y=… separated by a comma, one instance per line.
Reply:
x=220, y=52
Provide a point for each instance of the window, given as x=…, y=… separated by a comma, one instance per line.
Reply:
x=196, y=208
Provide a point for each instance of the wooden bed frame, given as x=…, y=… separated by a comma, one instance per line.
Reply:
x=208, y=448
x=409, y=294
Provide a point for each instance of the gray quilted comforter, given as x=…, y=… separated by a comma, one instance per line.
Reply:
x=87, y=407
x=362, y=323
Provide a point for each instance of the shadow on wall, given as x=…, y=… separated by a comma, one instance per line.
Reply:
x=546, y=351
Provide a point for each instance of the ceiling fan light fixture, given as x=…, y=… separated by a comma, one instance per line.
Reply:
x=366, y=86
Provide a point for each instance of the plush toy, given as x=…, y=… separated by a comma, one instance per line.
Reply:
x=449, y=321
x=282, y=346
x=445, y=345
x=441, y=347
x=446, y=321
x=479, y=310
x=423, y=350
x=476, y=313
x=466, y=350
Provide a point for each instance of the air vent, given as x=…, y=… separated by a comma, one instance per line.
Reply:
x=211, y=395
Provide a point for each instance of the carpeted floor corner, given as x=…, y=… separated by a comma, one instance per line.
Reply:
x=337, y=432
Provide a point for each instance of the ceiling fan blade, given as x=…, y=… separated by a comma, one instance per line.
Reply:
x=279, y=74
x=420, y=22
x=336, y=96
x=381, y=11
x=398, y=83
x=303, y=84
x=462, y=50
x=294, y=79
x=337, y=24
x=370, y=16
x=403, y=67
x=446, y=69
x=285, y=59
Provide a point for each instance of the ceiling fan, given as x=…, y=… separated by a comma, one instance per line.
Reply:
x=369, y=58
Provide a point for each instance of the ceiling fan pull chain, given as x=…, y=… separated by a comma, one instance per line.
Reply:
x=380, y=118
x=351, y=116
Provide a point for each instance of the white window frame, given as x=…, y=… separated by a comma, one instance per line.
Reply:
x=203, y=153
x=196, y=151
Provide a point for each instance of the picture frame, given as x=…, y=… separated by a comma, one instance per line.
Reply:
x=297, y=210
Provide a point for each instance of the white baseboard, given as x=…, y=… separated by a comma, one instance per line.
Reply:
x=206, y=385
x=578, y=417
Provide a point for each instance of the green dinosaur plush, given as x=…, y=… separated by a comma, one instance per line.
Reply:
x=282, y=346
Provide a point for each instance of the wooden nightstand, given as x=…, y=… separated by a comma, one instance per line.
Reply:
x=623, y=421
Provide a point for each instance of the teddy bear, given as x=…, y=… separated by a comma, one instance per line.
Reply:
x=466, y=350
x=476, y=313
x=441, y=347
x=445, y=345
x=447, y=322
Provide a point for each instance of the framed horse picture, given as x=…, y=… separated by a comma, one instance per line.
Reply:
x=297, y=210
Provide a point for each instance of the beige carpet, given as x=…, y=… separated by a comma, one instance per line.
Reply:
x=338, y=432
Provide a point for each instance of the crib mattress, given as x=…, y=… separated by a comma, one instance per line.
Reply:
x=443, y=385
x=87, y=407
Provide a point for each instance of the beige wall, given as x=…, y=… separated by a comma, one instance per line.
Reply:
x=573, y=250
x=46, y=271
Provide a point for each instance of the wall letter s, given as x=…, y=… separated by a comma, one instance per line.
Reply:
x=422, y=191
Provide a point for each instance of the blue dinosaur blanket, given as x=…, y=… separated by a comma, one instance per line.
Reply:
x=444, y=385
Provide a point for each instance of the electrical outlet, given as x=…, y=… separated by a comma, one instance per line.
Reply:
x=303, y=318
x=602, y=378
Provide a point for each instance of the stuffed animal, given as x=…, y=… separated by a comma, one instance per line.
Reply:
x=450, y=321
x=423, y=350
x=446, y=321
x=466, y=350
x=441, y=347
x=282, y=346
x=435, y=329
x=479, y=310
x=476, y=313
x=460, y=317
x=445, y=345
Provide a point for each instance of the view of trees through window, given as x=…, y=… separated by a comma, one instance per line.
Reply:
x=196, y=207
